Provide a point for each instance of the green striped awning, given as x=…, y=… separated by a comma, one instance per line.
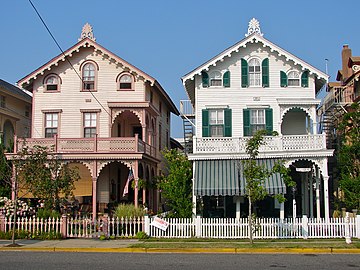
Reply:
x=225, y=177
x=273, y=185
x=216, y=178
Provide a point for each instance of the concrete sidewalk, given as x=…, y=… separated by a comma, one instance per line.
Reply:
x=125, y=245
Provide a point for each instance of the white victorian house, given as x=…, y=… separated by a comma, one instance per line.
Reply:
x=104, y=116
x=255, y=85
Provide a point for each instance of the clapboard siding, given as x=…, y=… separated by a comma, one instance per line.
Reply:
x=237, y=98
x=71, y=100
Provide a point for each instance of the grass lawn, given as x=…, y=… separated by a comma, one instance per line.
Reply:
x=223, y=243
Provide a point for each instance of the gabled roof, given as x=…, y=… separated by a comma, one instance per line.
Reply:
x=28, y=80
x=253, y=38
x=15, y=91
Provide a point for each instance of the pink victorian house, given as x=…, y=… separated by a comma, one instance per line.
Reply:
x=105, y=116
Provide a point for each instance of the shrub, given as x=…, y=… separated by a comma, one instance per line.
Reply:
x=128, y=210
x=7, y=207
x=47, y=213
x=141, y=235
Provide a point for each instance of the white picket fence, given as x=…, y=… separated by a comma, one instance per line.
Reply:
x=264, y=228
x=221, y=228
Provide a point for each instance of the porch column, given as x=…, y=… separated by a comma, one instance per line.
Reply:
x=282, y=210
x=94, y=199
x=144, y=196
x=302, y=177
x=326, y=197
x=193, y=191
x=136, y=179
x=13, y=183
x=311, y=201
x=317, y=177
x=238, y=208
x=306, y=193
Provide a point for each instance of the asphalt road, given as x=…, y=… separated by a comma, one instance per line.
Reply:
x=135, y=261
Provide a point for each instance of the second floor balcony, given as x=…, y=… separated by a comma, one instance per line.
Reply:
x=83, y=146
x=273, y=144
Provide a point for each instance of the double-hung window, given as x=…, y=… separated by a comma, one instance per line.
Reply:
x=255, y=119
x=215, y=79
x=52, y=83
x=90, y=124
x=88, y=77
x=293, y=78
x=216, y=119
x=254, y=72
x=51, y=124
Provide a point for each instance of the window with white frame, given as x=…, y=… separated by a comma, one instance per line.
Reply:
x=215, y=78
x=216, y=122
x=125, y=82
x=51, y=124
x=293, y=78
x=254, y=72
x=257, y=120
x=52, y=83
x=90, y=124
x=88, y=76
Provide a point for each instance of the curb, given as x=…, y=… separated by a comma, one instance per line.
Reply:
x=190, y=250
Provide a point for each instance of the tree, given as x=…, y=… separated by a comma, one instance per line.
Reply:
x=176, y=183
x=255, y=175
x=5, y=174
x=45, y=177
x=349, y=157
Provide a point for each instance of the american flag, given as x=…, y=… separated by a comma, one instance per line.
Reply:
x=129, y=179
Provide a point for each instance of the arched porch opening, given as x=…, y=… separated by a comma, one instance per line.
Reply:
x=111, y=187
x=296, y=121
x=8, y=134
x=307, y=197
x=126, y=124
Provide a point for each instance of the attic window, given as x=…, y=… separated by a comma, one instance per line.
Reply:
x=52, y=83
x=293, y=78
x=215, y=79
x=88, y=76
x=125, y=82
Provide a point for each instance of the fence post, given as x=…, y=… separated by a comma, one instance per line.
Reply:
x=63, y=228
x=2, y=222
x=305, y=227
x=147, y=224
x=347, y=229
x=357, y=226
x=198, y=226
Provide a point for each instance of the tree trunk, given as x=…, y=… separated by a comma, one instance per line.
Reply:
x=250, y=221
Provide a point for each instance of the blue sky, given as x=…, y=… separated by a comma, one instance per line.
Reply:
x=169, y=38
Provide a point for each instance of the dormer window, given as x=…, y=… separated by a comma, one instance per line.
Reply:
x=88, y=76
x=215, y=79
x=52, y=83
x=125, y=82
x=293, y=78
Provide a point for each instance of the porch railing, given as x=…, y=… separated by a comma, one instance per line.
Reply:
x=272, y=144
x=89, y=145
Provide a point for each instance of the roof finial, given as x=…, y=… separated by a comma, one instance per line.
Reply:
x=254, y=27
x=87, y=32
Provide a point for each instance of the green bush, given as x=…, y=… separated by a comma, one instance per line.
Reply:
x=21, y=234
x=47, y=213
x=128, y=210
x=141, y=235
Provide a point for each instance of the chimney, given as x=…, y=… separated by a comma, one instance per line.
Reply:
x=345, y=55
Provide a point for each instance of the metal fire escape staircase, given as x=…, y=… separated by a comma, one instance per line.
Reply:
x=188, y=116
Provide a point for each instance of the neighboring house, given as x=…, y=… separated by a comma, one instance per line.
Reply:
x=341, y=94
x=256, y=85
x=15, y=113
x=105, y=116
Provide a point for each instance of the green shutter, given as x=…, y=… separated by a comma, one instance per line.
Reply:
x=269, y=121
x=305, y=79
x=246, y=120
x=244, y=73
x=226, y=79
x=205, y=79
x=205, y=123
x=283, y=79
x=227, y=126
x=265, y=72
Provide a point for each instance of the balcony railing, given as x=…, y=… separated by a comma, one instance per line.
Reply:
x=115, y=145
x=272, y=144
